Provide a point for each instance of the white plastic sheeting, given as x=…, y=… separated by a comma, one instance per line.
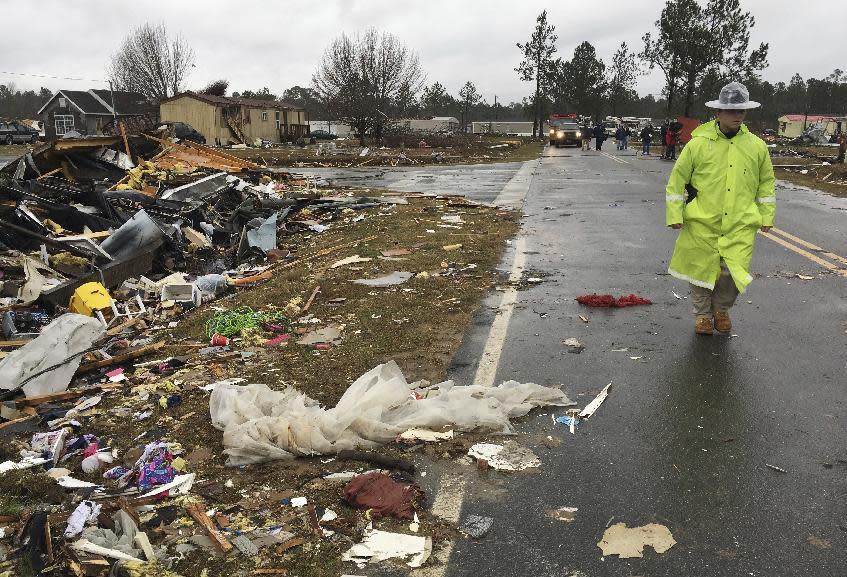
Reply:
x=68, y=335
x=261, y=424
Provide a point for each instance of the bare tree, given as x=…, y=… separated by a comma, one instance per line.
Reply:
x=216, y=87
x=360, y=78
x=151, y=62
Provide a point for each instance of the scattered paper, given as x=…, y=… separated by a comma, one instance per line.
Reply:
x=593, y=405
x=181, y=485
x=629, y=542
x=573, y=345
x=804, y=276
x=329, y=334
x=350, y=260
x=566, y=514
x=507, y=457
x=394, y=278
x=299, y=502
x=72, y=483
x=393, y=252
x=381, y=545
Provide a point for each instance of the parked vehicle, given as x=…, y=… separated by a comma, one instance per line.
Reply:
x=15, y=132
x=183, y=131
x=322, y=135
x=564, y=129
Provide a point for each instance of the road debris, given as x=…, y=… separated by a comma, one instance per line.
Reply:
x=383, y=393
x=591, y=407
x=566, y=514
x=608, y=301
x=629, y=542
x=476, y=526
x=381, y=545
x=383, y=496
x=507, y=457
x=574, y=346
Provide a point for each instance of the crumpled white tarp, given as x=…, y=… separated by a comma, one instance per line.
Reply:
x=67, y=335
x=260, y=424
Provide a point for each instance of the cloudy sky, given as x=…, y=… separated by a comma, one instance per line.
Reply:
x=257, y=43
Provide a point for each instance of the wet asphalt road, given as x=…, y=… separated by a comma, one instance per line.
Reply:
x=482, y=182
x=686, y=433
x=688, y=429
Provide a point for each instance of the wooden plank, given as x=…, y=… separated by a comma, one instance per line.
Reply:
x=312, y=298
x=16, y=422
x=65, y=395
x=13, y=343
x=48, y=542
x=117, y=359
x=123, y=135
x=92, y=235
x=118, y=329
x=200, y=516
x=51, y=173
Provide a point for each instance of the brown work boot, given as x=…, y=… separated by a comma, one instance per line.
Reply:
x=704, y=326
x=723, y=323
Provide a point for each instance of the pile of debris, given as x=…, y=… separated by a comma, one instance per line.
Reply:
x=108, y=244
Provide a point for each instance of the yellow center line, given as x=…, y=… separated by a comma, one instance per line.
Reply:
x=812, y=257
x=802, y=242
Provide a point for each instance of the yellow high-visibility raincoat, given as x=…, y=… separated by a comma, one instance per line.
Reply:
x=735, y=196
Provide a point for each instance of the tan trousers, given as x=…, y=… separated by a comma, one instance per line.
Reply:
x=706, y=301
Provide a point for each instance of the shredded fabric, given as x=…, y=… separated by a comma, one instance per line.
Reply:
x=383, y=495
x=608, y=301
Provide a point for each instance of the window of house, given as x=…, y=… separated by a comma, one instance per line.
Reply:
x=264, y=116
x=64, y=123
x=62, y=103
x=277, y=119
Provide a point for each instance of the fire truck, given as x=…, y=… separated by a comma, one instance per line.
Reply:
x=564, y=129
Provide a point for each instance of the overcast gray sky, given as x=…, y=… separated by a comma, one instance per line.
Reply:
x=256, y=43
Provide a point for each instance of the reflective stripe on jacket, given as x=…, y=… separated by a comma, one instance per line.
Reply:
x=734, y=181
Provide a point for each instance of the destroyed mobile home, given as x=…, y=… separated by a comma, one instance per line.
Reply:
x=107, y=244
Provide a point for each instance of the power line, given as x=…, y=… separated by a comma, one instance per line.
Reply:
x=52, y=77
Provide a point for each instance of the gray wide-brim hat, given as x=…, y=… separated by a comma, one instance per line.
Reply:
x=734, y=96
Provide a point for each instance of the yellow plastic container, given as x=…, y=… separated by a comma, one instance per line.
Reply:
x=89, y=298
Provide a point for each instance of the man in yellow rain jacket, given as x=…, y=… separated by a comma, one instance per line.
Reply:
x=720, y=192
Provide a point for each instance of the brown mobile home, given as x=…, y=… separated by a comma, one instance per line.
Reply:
x=224, y=120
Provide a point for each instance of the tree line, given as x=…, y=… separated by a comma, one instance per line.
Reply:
x=18, y=105
x=370, y=79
